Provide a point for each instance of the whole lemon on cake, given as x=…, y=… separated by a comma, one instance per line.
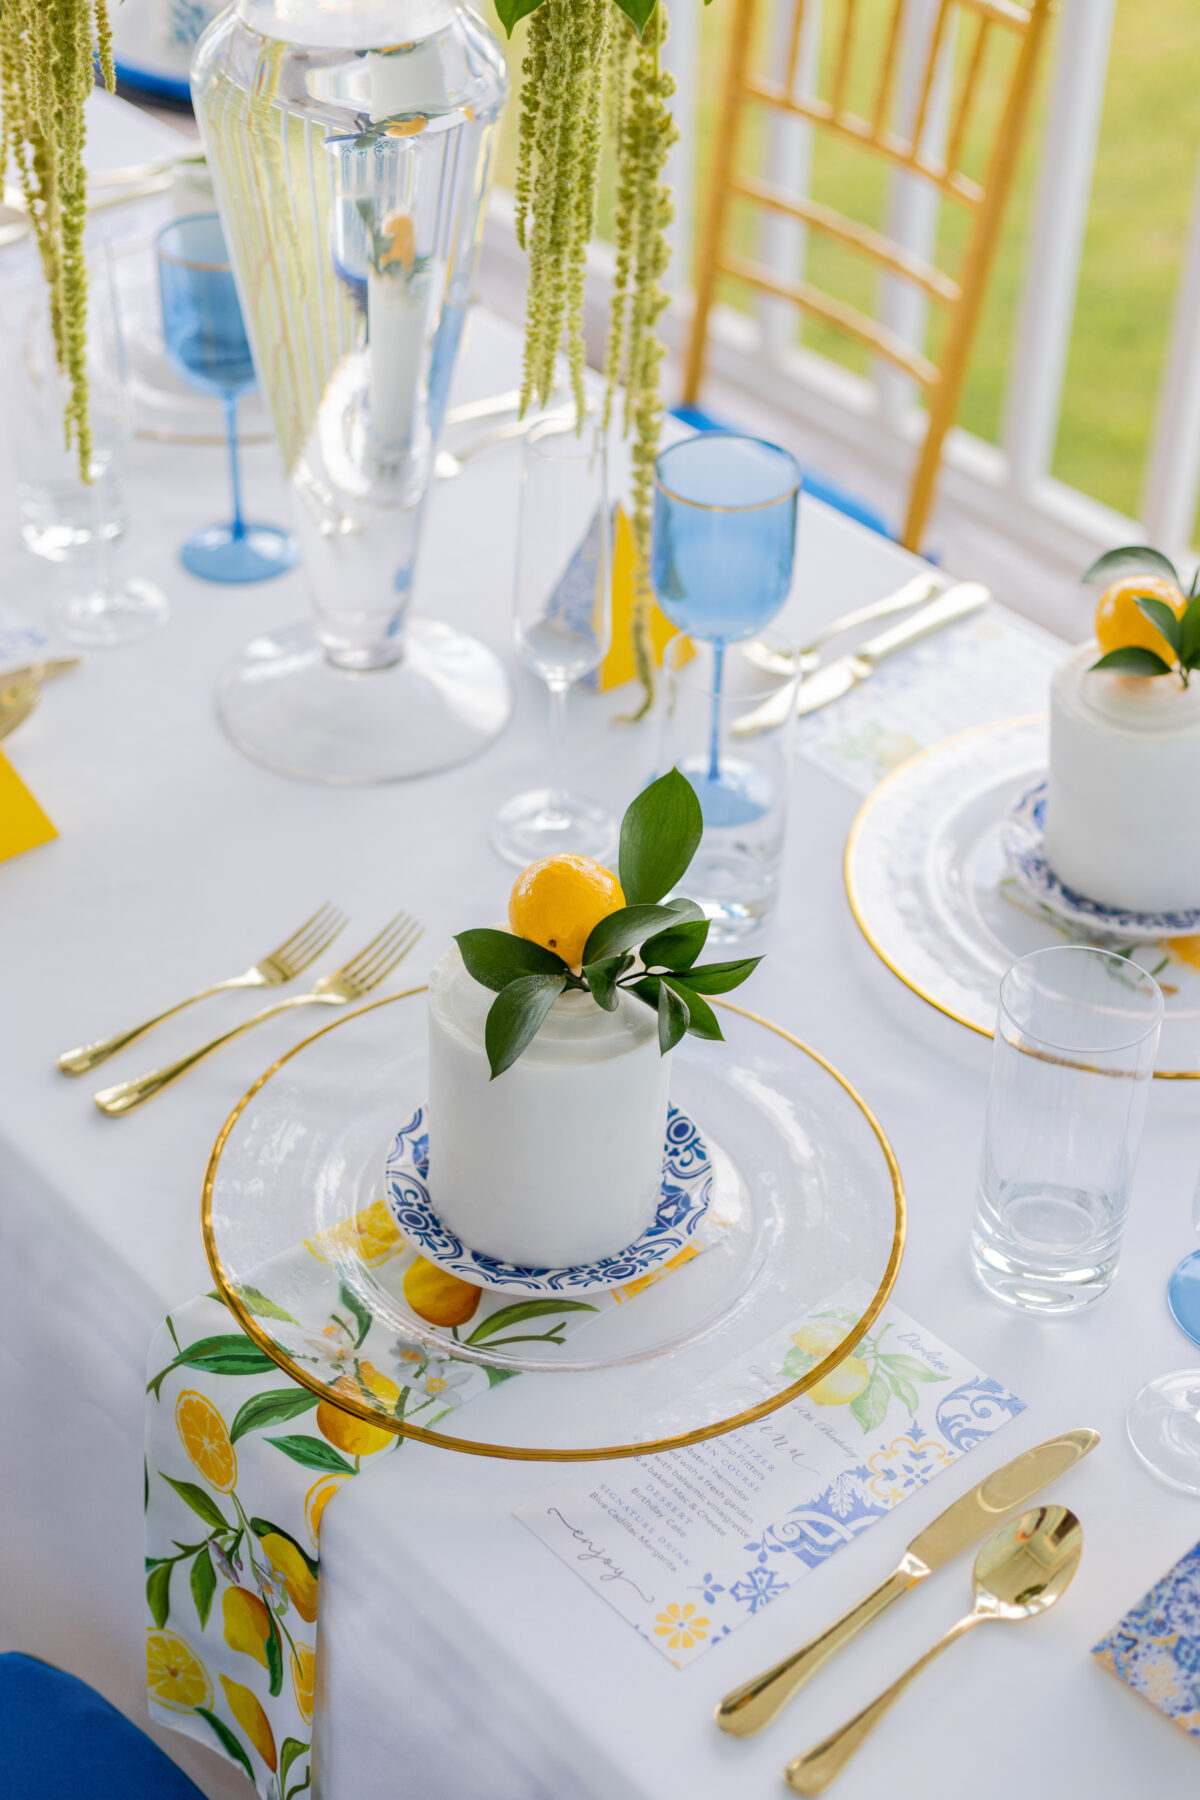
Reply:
x=559, y=901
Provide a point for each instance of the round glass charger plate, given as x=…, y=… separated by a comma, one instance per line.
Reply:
x=306, y=1255
x=932, y=891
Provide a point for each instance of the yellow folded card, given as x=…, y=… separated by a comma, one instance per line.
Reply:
x=618, y=666
x=23, y=824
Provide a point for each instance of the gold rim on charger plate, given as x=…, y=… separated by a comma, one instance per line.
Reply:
x=856, y=829
x=517, y=1453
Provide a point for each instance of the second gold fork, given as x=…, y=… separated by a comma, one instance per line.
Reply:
x=353, y=981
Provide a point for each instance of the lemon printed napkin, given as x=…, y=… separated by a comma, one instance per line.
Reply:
x=241, y=1463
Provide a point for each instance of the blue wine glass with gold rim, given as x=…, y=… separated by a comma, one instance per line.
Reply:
x=724, y=539
x=205, y=339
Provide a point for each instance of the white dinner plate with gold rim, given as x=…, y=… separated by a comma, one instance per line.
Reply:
x=308, y=1259
x=929, y=884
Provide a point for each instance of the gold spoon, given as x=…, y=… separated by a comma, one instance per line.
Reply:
x=1021, y=1570
x=17, y=701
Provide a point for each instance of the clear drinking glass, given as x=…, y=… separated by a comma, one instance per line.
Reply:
x=60, y=514
x=734, y=875
x=1076, y=1036
x=725, y=511
x=562, y=624
x=205, y=340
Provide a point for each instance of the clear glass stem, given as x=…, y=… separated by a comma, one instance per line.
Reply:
x=558, y=785
x=238, y=525
x=714, y=728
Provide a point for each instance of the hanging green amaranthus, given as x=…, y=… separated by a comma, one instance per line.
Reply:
x=46, y=52
x=583, y=58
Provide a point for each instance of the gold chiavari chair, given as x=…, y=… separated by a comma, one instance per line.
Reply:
x=906, y=150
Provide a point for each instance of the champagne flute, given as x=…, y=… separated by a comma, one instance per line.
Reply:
x=562, y=624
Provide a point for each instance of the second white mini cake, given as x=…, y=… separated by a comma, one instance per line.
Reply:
x=1121, y=823
x=559, y=1161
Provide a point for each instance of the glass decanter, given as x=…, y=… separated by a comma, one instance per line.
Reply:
x=351, y=148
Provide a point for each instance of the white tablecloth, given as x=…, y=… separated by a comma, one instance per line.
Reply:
x=460, y=1657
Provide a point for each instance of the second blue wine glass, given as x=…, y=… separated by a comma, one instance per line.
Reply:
x=725, y=511
x=205, y=338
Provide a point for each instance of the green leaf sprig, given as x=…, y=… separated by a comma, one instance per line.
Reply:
x=1180, y=630
x=648, y=948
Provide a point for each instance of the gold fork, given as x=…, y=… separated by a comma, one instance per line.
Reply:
x=291, y=958
x=353, y=981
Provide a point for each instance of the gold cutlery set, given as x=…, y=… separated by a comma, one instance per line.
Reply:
x=1023, y=1567
x=354, y=980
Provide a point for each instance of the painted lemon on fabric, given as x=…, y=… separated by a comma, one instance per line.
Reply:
x=175, y=1675
x=203, y=1435
x=372, y=1235
x=353, y=1436
x=291, y=1568
x=247, y=1623
x=304, y=1675
x=557, y=901
x=437, y=1296
x=317, y=1499
x=1120, y=622
x=253, y=1720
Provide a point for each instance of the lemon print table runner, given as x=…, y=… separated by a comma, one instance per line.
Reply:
x=241, y=1463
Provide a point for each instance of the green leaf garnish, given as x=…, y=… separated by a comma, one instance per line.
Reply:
x=660, y=834
x=494, y=958
x=602, y=976
x=677, y=947
x=1133, y=660
x=1130, y=559
x=1162, y=617
x=672, y=1018
x=623, y=929
x=515, y=1016
x=510, y=11
x=719, y=978
x=638, y=12
x=1189, y=632
x=702, y=1020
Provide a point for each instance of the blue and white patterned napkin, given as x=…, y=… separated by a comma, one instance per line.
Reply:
x=1155, y=1648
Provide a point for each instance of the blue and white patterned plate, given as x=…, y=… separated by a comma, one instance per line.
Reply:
x=1024, y=846
x=686, y=1191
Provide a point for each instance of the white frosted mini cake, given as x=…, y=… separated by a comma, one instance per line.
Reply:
x=1122, y=823
x=559, y=1162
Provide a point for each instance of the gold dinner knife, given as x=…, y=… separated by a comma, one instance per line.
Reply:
x=749, y=1707
x=838, y=678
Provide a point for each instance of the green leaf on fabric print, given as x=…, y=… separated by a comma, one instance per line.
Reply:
x=263, y=1528
x=291, y=1749
x=199, y=1501
x=256, y=1302
x=496, y=1376
x=231, y=1353
x=313, y=1453
x=300, y=1785
x=203, y=1585
x=870, y=1408
x=226, y=1739
x=275, y=1659
x=274, y=1407
x=522, y=1310
x=911, y=1366
x=158, y=1594
x=362, y=1317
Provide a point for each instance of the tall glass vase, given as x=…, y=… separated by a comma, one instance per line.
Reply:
x=351, y=148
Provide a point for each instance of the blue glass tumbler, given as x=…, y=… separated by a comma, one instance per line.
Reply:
x=725, y=510
x=205, y=340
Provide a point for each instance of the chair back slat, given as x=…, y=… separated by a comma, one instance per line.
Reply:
x=964, y=108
